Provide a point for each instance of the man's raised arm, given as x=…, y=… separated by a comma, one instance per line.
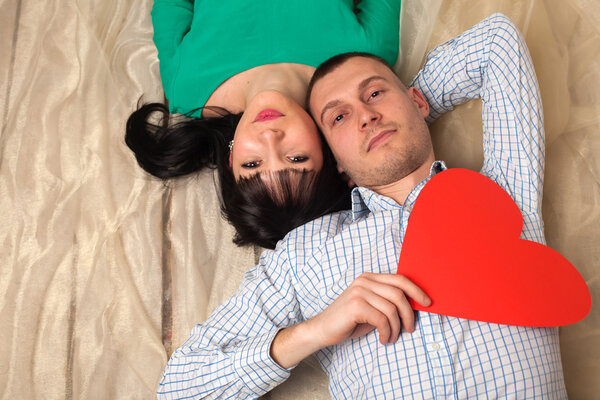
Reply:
x=491, y=61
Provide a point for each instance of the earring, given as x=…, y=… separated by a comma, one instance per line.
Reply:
x=231, y=145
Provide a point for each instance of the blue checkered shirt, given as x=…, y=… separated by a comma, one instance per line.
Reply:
x=446, y=357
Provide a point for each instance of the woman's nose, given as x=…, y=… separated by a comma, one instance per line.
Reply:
x=272, y=136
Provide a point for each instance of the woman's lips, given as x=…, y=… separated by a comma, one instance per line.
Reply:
x=380, y=138
x=267, y=115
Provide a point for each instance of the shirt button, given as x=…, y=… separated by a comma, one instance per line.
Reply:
x=435, y=346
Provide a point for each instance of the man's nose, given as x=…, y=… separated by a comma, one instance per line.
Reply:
x=368, y=116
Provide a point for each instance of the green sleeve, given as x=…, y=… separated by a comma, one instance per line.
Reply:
x=171, y=20
x=380, y=20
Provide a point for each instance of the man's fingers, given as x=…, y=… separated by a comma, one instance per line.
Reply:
x=393, y=290
x=399, y=281
x=390, y=328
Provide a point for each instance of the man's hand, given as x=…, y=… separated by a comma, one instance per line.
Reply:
x=372, y=301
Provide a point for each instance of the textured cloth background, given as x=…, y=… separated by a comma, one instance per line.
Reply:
x=104, y=270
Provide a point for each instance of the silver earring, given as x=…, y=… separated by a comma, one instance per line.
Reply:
x=231, y=145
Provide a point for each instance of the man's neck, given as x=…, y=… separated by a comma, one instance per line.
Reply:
x=399, y=190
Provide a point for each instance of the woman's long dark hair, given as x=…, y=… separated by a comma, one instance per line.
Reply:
x=176, y=145
x=168, y=146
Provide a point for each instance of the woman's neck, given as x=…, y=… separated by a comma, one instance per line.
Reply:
x=236, y=92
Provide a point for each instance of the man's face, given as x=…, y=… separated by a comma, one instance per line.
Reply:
x=373, y=124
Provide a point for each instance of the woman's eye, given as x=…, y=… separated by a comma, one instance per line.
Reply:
x=375, y=93
x=298, y=159
x=338, y=118
x=251, y=164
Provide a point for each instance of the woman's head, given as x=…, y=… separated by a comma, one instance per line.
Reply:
x=263, y=203
x=275, y=133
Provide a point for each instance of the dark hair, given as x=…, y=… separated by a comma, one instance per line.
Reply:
x=261, y=213
x=332, y=63
x=264, y=213
x=177, y=145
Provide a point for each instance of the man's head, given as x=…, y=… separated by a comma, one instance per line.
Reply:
x=374, y=125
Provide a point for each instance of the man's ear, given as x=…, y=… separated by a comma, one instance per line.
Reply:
x=419, y=100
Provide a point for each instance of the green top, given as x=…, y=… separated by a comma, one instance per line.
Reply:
x=202, y=44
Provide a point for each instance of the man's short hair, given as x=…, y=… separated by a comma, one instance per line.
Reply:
x=332, y=63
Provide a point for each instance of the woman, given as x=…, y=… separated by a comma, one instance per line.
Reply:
x=239, y=70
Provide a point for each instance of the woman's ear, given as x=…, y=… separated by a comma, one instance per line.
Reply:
x=231, y=159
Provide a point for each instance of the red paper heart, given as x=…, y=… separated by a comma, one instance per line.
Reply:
x=462, y=248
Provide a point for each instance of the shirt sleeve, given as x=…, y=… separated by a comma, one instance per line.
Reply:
x=380, y=20
x=228, y=356
x=491, y=61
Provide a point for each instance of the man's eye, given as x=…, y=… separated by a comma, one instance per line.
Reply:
x=338, y=118
x=251, y=164
x=298, y=159
x=375, y=93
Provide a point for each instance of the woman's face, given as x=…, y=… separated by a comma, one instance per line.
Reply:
x=275, y=133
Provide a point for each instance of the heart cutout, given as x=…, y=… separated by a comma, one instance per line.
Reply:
x=462, y=247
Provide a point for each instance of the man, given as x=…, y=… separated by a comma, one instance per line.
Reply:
x=329, y=287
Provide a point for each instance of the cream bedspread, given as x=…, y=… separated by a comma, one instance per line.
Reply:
x=104, y=271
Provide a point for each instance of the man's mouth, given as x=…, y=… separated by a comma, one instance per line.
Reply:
x=380, y=138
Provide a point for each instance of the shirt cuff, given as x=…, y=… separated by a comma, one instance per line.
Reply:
x=253, y=363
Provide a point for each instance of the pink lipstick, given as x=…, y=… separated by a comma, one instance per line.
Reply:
x=268, y=115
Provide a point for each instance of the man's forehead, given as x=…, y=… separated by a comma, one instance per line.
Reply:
x=355, y=67
x=354, y=74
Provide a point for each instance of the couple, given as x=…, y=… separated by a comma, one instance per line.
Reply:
x=329, y=286
x=221, y=63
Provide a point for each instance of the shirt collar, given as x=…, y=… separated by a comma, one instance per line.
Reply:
x=365, y=200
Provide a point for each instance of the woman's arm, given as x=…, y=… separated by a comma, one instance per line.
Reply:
x=491, y=61
x=171, y=20
x=380, y=20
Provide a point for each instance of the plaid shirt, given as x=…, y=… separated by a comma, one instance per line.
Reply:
x=446, y=357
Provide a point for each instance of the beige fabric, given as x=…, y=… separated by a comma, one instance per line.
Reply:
x=104, y=271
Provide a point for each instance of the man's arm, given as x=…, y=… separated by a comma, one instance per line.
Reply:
x=491, y=61
x=248, y=345
x=228, y=355
x=372, y=301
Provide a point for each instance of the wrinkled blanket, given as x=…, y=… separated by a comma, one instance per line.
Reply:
x=105, y=270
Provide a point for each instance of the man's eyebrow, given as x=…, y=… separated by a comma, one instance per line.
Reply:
x=361, y=86
x=370, y=79
x=331, y=104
